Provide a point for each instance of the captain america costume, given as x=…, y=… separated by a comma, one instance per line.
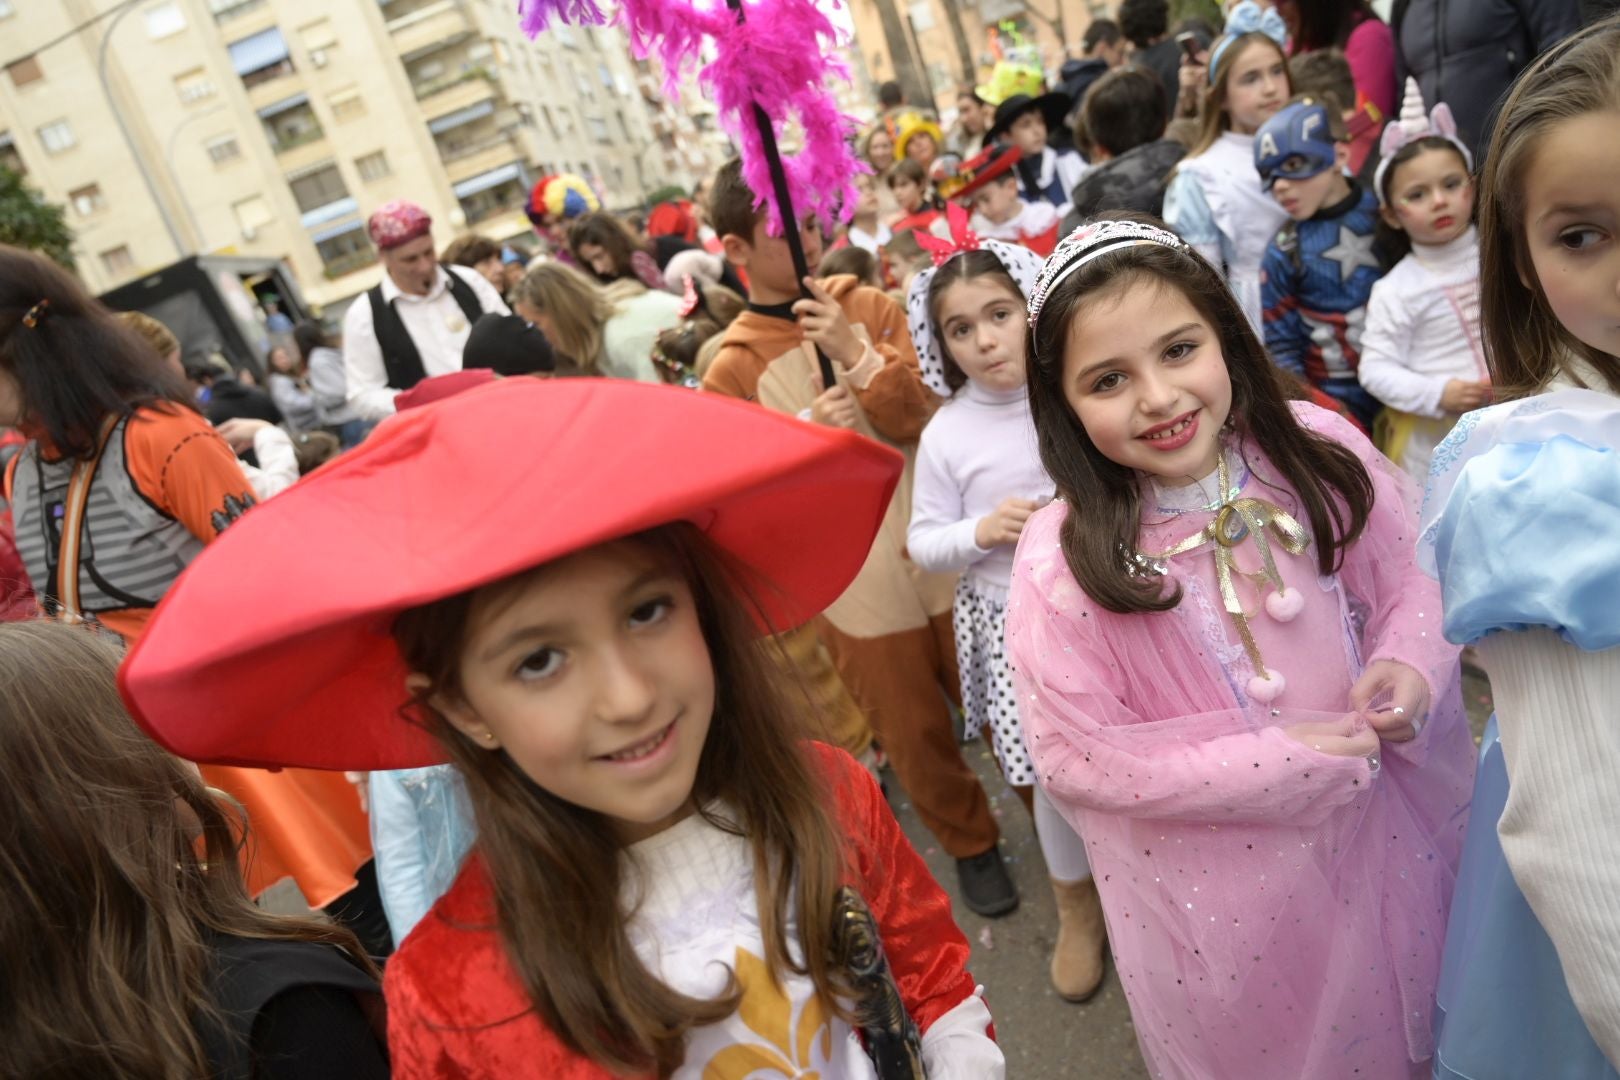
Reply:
x=1317, y=274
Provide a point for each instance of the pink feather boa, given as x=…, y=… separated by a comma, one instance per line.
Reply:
x=769, y=58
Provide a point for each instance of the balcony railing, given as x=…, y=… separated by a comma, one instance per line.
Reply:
x=455, y=78
x=448, y=154
x=320, y=215
x=348, y=264
x=224, y=11
x=282, y=144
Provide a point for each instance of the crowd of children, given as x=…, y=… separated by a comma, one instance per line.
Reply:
x=1140, y=507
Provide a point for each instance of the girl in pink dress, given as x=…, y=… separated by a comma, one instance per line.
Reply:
x=1232, y=679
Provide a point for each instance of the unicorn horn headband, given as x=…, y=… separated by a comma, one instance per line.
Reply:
x=1092, y=241
x=1412, y=126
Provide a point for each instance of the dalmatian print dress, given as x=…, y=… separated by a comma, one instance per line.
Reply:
x=987, y=687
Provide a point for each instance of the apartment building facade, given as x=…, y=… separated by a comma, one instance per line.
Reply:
x=274, y=127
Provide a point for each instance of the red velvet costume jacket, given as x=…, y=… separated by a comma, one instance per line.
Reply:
x=456, y=1008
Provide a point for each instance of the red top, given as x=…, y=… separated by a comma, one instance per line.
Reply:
x=457, y=1009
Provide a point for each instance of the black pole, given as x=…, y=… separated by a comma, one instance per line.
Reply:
x=784, y=210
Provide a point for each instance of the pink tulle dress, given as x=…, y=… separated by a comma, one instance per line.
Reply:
x=1274, y=911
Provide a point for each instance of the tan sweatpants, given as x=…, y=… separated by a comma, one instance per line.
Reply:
x=901, y=681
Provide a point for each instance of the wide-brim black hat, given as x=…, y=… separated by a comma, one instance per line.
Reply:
x=1053, y=106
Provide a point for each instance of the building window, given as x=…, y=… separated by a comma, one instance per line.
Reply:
x=165, y=20
x=9, y=157
x=319, y=40
x=290, y=123
x=118, y=261
x=223, y=149
x=6, y=10
x=319, y=188
x=87, y=200
x=260, y=57
x=605, y=75
x=225, y=10
x=57, y=137
x=599, y=130
x=193, y=85
x=25, y=71
x=346, y=104
x=346, y=251
x=373, y=166
x=252, y=214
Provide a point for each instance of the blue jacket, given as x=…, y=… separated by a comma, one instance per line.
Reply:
x=1315, y=280
x=421, y=828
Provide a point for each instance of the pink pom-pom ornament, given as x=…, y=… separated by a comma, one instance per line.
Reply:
x=1285, y=604
x=1267, y=687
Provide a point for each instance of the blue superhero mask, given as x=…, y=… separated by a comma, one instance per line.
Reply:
x=1295, y=144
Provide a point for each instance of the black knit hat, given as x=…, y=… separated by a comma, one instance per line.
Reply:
x=507, y=345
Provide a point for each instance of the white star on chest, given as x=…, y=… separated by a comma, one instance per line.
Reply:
x=1351, y=252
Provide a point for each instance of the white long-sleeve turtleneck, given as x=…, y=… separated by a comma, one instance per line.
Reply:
x=1423, y=327
x=978, y=450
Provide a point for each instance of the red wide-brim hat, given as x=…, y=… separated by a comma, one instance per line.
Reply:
x=274, y=648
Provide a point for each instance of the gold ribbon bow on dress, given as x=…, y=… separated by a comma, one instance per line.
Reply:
x=1235, y=520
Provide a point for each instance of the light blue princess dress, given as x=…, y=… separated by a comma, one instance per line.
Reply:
x=1521, y=526
x=421, y=829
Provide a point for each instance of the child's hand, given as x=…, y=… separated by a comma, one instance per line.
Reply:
x=1462, y=396
x=1342, y=738
x=1005, y=523
x=826, y=325
x=1402, y=694
x=833, y=408
x=1193, y=77
x=238, y=431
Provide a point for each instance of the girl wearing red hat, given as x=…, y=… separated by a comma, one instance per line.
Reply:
x=668, y=879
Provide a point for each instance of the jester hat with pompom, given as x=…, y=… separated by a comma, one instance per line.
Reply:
x=562, y=197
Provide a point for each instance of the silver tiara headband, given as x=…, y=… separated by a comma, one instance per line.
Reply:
x=1089, y=241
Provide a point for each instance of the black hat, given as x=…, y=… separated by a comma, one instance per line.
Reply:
x=507, y=345
x=1053, y=106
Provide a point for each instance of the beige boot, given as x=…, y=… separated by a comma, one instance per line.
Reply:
x=1077, y=960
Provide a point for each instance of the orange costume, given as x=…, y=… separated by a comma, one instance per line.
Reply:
x=164, y=485
x=890, y=632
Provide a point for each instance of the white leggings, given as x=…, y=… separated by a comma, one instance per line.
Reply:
x=1062, y=847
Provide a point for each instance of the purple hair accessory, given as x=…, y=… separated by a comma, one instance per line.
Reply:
x=535, y=16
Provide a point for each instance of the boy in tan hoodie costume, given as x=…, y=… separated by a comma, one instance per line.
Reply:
x=890, y=632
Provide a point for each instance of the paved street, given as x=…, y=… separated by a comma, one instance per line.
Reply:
x=1044, y=1037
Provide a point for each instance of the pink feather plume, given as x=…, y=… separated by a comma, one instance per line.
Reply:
x=777, y=56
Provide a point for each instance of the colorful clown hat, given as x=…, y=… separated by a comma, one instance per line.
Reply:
x=561, y=197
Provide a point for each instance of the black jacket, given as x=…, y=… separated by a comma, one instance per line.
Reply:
x=229, y=399
x=1467, y=53
x=1076, y=77
x=1133, y=181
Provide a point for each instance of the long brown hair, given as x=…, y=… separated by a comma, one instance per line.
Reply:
x=117, y=865
x=1212, y=115
x=1104, y=497
x=77, y=363
x=554, y=867
x=611, y=235
x=1525, y=343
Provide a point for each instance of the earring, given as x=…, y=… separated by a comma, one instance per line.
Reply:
x=489, y=736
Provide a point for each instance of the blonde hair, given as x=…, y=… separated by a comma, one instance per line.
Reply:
x=1213, y=118
x=578, y=308
x=152, y=332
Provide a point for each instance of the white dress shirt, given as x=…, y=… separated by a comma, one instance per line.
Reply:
x=437, y=326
